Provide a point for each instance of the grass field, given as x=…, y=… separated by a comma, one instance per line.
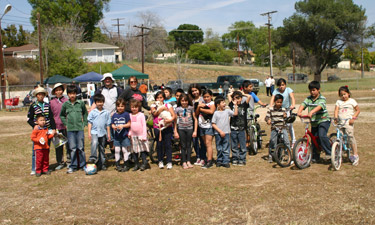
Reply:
x=258, y=193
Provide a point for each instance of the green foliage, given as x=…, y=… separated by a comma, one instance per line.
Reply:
x=55, y=12
x=183, y=39
x=66, y=62
x=12, y=37
x=322, y=29
x=101, y=67
x=99, y=37
x=213, y=50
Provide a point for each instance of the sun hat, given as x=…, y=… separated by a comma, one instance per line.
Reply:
x=56, y=86
x=106, y=75
x=39, y=90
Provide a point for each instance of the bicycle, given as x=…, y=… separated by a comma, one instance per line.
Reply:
x=341, y=143
x=254, y=142
x=302, y=150
x=283, y=154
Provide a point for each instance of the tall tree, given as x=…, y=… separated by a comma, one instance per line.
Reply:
x=186, y=35
x=13, y=37
x=56, y=12
x=323, y=29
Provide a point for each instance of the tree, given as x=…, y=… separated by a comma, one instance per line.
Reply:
x=56, y=12
x=183, y=39
x=323, y=29
x=13, y=37
x=212, y=50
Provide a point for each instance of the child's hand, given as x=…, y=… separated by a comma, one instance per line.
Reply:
x=42, y=141
x=234, y=102
x=201, y=105
x=284, y=115
x=109, y=137
x=269, y=122
x=222, y=134
x=194, y=134
x=310, y=115
x=168, y=121
x=89, y=136
x=351, y=122
x=299, y=114
x=176, y=135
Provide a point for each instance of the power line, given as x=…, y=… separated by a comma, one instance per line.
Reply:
x=268, y=14
x=143, y=47
x=118, y=26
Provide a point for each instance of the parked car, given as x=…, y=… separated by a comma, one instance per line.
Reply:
x=333, y=77
x=234, y=80
x=298, y=78
x=176, y=84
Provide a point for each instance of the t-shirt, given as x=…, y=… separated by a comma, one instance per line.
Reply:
x=287, y=102
x=221, y=119
x=185, y=118
x=204, y=120
x=268, y=82
x=320, y=116
x=276, y=116
x=110, y=96
x=239, y=122
x=346, y=109
x=99, y=120
x=172, y=101
x=120, y=119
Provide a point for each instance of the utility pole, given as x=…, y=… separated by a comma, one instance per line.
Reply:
x=143, y=46
x=238, y=49
x=268, y=14
x=294, y=66
x=118, y=27
x=40, y=49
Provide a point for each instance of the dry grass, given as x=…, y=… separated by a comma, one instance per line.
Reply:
x=259, y=193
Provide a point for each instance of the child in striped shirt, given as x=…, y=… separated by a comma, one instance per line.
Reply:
x=275, y=117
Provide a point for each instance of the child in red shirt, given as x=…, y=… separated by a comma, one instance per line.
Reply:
x=40, y=138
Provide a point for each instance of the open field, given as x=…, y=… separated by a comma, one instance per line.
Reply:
x=259, y=193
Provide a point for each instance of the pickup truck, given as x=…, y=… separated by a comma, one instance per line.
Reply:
x=176, y=84
x=234, y=80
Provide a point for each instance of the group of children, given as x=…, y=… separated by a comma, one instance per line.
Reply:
x=193, y=118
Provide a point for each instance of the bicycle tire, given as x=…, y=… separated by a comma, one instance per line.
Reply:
x=302, y=153
x=336, y=156
x=153, y=153
x=253, y=142
x=332, y=138
x=283, y=155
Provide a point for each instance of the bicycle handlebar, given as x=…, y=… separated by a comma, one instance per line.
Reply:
x=340, y=122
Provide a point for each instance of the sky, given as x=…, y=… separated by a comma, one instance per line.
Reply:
x=215, y=14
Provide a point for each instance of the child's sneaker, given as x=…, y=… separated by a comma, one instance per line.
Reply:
x=169, y=166
x=355, y=160
x=38, y=174
x=208, y=165
x=234, y=163
x=270, y=159
x=202, y=162
x=32, y=173
x=198, y=162
x=177, y=157
x=70, y=170
x=161, y=165
x=351, y=158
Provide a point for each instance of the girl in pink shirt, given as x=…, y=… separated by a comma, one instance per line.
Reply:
x=138, y=134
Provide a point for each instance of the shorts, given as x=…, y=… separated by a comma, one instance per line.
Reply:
x=206, y=131
x=350, y=132
x=122, y=142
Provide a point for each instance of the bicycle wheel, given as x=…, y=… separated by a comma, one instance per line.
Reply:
x=336, y=157
x=332, y=138
x=302, y=153
x=283, y=156
x=253, y=142
x=153, y=153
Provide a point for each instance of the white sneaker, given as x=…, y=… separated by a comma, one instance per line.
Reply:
x=161, y=165
x=198, y=162
x=355, y=160
x=32, y=173
x=169, y=166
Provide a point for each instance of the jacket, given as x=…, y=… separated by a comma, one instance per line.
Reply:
x=74, y=115
x=36, y=135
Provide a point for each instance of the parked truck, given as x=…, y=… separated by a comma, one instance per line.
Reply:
x=234, y=80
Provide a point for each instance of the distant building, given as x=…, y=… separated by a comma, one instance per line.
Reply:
x=344, y=64
x=29, y=51
x=165, y=56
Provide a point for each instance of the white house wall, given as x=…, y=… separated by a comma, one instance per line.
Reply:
x=108, y=55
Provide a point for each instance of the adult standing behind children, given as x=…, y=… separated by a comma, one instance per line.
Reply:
x=289, y=102
x=74, y=116
x=272, y=85
x=36, y=108
x=226, y=85
x=132, y=92
x=268, y=83
x=56, y=105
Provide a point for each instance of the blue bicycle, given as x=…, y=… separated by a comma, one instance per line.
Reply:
x=340, y=143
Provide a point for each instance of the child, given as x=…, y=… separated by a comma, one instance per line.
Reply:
x=56, y=104
x=138, y=134
x=166, y=134
x=40, y=137
x=231, y=90
x=169, y=98
x=275, y=117
x=178, y=93
x=317, y=106
x=205, y=110
x=220, y=91
x=74, y=116
x=120, y=125
x=221, y=124
x=99, y=121
x=198, y=143
x=238, y=126
x=39, y=107
x=187, y=128
x=347, y=108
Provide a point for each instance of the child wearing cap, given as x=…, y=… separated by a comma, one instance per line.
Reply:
x=56, y=104
x=39, y=107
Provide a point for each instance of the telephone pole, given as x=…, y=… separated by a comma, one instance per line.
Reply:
x=268, y=14
x=143, y=46
x=40, y=50
x=118, y=27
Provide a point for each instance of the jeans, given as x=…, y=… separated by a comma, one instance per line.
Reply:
x=222, y=148
x=185, y=140
x=165, y=142
x=238, y=137
x=76, y=141
x=321, y=131
x=273, y=139
x=199, y=146
x=60, y=150
x=98, y=143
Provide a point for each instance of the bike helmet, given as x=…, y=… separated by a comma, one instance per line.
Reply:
x=291, y=118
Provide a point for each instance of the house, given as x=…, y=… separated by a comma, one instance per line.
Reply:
x=165, y=56
x=92, y=52
x=29, y=51
x=344, y=64
x=98, y=52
